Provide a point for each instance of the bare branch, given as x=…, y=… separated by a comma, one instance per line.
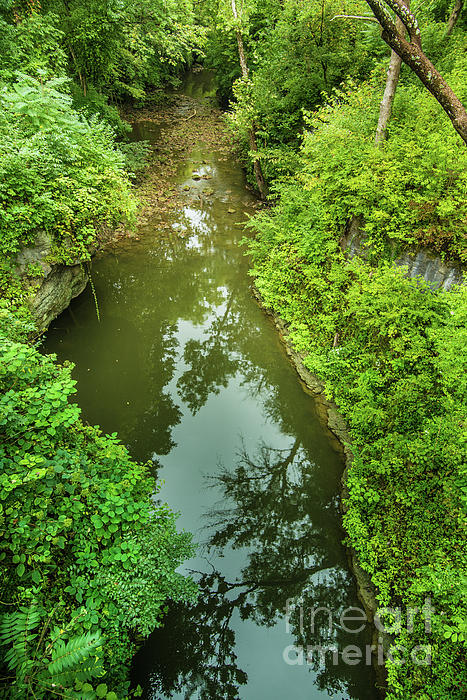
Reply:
x=362, y=17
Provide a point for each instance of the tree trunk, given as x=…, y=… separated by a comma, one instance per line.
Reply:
x=455, y=14
x=258, y=172
x=259, y=177
x=411, y=53
x=392, y=81
x=385, y=109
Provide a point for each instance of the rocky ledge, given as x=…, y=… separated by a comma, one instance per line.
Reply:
x=420, y=262
x=53, y=285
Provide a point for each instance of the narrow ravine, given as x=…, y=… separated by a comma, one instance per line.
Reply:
x=189, y=371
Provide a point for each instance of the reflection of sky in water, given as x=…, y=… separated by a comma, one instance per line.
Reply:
x=194, y=220
x=194, y=243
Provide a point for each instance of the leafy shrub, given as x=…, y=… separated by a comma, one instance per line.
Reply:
x=303, y=56
x=122, y=49
x=135, y=154
x=80, y=536
x=391, y=352
x=411, y=191
x=95, y=103
x=30, y=44
x=59, y=173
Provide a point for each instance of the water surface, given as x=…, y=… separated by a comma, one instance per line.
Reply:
x=192, y=375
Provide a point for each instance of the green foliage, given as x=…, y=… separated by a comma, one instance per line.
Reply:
x=41, y=104
x=392, y=355
x=304, y=55
x=30, y=44
x=124, y=48
x=79, y=533
x=15, y=321
x=95, y=103
x=255, y=20
x=83, y=547
x=48, y=661
x=135, y=154
x=298, y=54
x=88, y=560
x=390, y=350
x=411, y=191
x=60, y=174
x=295, y=55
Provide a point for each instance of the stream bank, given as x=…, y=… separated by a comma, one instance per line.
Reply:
x=336, y=424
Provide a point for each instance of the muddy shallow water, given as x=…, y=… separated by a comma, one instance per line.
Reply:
x=192, y=375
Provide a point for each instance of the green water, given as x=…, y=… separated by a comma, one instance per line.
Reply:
x=191, y=373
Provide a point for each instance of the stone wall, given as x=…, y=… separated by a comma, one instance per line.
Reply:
x=420, y=262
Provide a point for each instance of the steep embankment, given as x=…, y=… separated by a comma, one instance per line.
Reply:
x=391, y=353
x=62, y=183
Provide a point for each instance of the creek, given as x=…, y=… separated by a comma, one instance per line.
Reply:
x=191, y=373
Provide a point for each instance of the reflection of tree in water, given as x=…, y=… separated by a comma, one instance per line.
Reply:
x=290, y=555
x=212, y=361
x=159, y=412
x=144, y=303
x=194, y=651
x=141, y=313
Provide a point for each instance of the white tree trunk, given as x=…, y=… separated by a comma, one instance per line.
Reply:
x=260, y=181
x=241, y=48
x=392, y=80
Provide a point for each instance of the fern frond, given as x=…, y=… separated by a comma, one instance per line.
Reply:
x=68, y=655
x=19, y=623
x=16, y=629
x=31, y=620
